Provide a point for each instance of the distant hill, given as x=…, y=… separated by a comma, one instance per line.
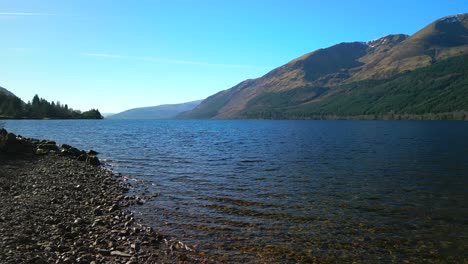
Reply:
x=166, y=111
x=302, y=87
x=106, y=115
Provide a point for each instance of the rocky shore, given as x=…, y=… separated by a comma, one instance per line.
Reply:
x=57, y=205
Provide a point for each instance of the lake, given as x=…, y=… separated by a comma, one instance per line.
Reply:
x=290, y=191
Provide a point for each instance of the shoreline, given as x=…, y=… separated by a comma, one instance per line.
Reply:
x=59, y=206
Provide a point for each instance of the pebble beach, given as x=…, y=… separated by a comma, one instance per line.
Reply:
x=59, y=206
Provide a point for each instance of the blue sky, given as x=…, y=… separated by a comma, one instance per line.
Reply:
x=116, y=55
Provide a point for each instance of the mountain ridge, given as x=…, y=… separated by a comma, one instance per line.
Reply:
x=165, y=111
x=6, y=92
x=344, y=63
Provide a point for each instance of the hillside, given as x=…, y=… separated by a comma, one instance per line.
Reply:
x=324, y=73
x=167, y=111
x=439, y=91
x=6, y=92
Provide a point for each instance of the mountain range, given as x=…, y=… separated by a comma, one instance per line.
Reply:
x=420, y=75
x=166, y=111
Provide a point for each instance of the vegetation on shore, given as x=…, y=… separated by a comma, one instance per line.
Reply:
x=11, y=107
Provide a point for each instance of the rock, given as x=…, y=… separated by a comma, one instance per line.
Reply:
x=50, y=145
x=136, y=247
x=82, y=157
x=93, y=160
x=10, y=143
x=120, y=254
x=92, y=152
x=114, y=207
x=104, y=252
x=3, y=138
x=98, y=211
x=78, y=221
x=41, y=152
x=65, y=146
x=70, y=152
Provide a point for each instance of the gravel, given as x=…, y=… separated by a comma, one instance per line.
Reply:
x=58, y=209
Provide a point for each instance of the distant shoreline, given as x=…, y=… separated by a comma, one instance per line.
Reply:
x=448, y=116
x=12, y=118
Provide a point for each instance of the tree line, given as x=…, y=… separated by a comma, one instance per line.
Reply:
x=39, y=108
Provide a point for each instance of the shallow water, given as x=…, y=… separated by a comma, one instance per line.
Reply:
x=291, y=191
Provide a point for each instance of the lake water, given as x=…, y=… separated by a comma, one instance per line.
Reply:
x=291, y=191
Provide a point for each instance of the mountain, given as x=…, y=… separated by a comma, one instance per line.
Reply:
x=167, y=111
x=106, y=115
x=6, y=92
x=322, y=75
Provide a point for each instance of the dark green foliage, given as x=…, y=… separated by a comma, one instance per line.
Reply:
x=39, y=108
x=91, y=114
x=439, y=91
x=11, y=106
x=285, y=99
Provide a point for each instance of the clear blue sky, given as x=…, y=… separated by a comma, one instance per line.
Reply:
x=116, y=55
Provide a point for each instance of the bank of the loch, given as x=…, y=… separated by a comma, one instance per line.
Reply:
x=57, y=205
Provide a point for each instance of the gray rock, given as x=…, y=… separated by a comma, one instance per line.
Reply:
x=104, y=252
x=120, y=254
x=92, y=152
x=93, y=160
x=136, y=247
x=42, y=151
x=98, y=211
x=82, y=157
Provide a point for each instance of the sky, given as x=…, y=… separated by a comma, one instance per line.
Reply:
x=116, y=55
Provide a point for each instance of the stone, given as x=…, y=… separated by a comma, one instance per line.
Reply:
x=114, y=207
x=51, y=146
x=10, y=143
x=78, y=221
x=82, y=157
x=41, y=152
x=3, y=138
x=120, y=254
x=135, y=247
x=104, y=252
x=65, y=146
x=92, y=152
x=93, y=160
x=98, y=211
x=71, y=152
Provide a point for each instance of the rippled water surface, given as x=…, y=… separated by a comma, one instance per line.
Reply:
x=291, y=191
